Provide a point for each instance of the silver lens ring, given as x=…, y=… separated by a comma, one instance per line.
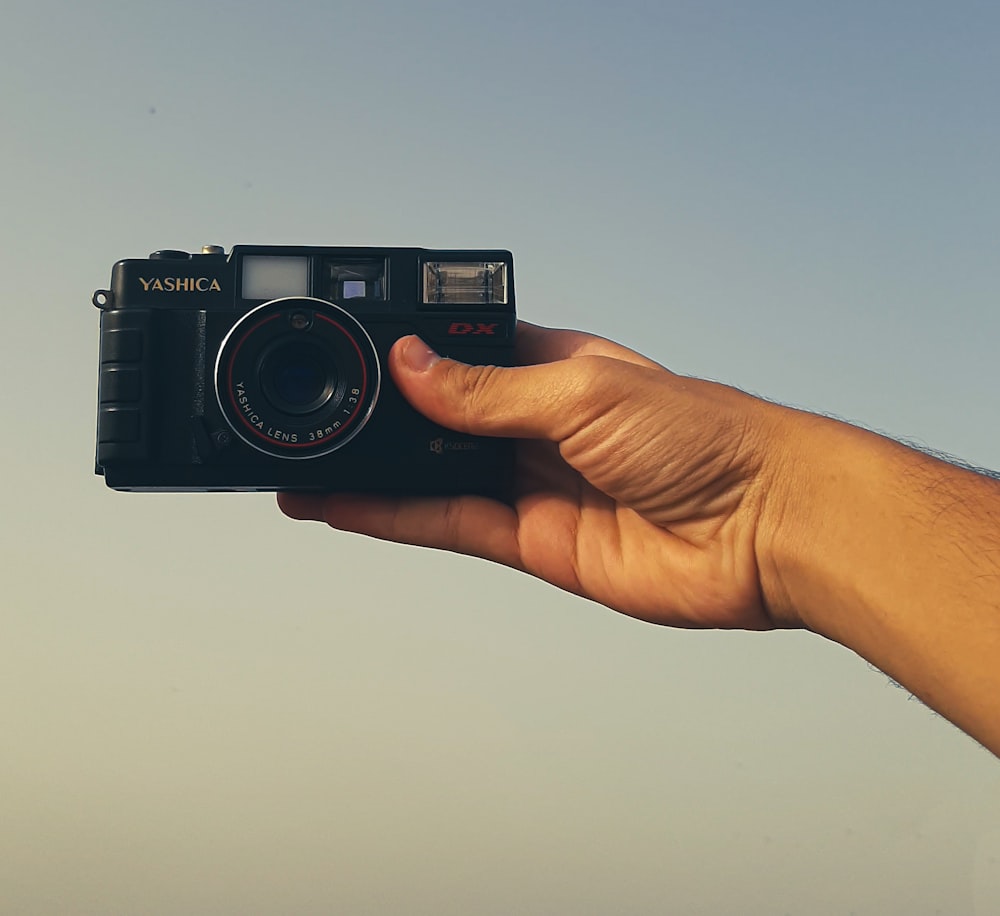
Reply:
x=297, y=378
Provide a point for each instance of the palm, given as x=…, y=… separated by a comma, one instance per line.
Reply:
x=572, y=534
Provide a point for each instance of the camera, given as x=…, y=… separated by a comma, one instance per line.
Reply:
x=265, y=369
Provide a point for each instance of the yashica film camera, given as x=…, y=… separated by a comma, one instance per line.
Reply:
x=265, y=369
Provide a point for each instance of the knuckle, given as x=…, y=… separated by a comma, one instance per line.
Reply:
x=597, y=385
x=452, y=523
x=478, y=391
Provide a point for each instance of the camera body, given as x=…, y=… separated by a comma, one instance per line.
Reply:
x=266, y=369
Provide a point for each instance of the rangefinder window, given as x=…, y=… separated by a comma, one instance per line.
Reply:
x=465, y=283
x=354, y=280
x=266, y=277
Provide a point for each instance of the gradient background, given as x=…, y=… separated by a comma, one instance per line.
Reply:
x=206, y=708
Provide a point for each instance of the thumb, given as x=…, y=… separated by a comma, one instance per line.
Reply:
x=547, y=401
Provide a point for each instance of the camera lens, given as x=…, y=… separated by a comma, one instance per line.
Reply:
x=297, y=377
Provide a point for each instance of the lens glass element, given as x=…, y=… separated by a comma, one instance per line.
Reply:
x=297, y=376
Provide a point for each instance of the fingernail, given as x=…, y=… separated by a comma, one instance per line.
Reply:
x=417, y=356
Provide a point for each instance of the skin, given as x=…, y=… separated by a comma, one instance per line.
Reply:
x=687, y=503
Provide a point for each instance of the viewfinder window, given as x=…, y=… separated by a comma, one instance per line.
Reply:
x=274, y=278
x=465, y=282
x=354, y=279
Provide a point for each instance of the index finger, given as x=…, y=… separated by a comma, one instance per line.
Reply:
x=536, y=345
x=472, y=525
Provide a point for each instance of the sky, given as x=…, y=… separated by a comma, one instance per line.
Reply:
x=205, y=707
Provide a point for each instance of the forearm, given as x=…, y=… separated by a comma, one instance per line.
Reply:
x=894, y=554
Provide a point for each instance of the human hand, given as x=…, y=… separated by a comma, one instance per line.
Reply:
x=685, y=502
x=635, y=487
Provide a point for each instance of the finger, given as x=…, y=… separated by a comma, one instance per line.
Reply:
x=536, y=344
x=548, y=401
x=471, y=525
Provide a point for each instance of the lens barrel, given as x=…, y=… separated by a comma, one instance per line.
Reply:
x=297, y=377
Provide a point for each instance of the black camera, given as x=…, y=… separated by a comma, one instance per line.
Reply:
x=264, y=369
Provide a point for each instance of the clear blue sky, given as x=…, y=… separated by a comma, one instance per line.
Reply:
x=207, y=708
